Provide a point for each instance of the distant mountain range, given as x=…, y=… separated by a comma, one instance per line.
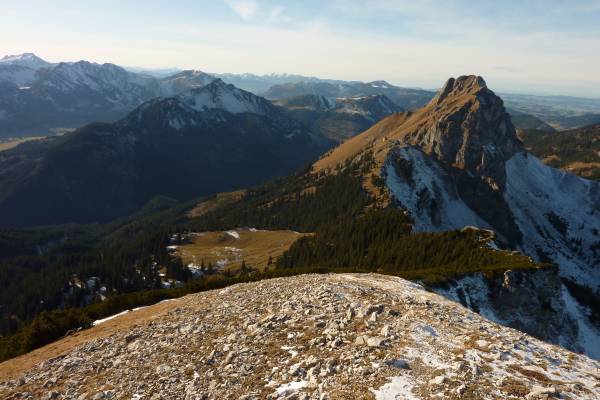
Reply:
x=260, y=84
x=40, y=98
x=339, y=119
x=204, y=140
x=406, y=98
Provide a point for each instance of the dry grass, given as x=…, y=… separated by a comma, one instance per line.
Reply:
x=514, y=387
x=16, y=366
x=533, y=375
x=14, y=143
x=552, y=158
x=220, y=199
x=582, y=168
x=253, y=247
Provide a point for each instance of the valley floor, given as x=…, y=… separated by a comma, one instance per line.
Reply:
x=349, y=336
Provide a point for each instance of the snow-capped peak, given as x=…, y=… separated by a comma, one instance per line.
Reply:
x=28, y=60
x=219, y=95
x=380, y=84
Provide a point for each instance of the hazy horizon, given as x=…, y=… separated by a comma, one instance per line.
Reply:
x=532, y=47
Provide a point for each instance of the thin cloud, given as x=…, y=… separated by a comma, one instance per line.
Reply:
x=246, y=9
x=277, y=14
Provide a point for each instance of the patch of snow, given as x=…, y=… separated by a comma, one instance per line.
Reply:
x=430, y=180
x=233, y=234
x=289, y=388
x=558, y=213
x=589, y=337
x=100, y=321
x=195, y=269
x=399, y=387
x=473, y=292
x=290, y=349
x=429, y=330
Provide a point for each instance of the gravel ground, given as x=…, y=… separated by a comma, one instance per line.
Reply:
x=351, y=336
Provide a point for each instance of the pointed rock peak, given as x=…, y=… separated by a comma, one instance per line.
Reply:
x=463, y=85
x=467, y=126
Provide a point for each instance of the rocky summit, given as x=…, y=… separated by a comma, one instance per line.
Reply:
x=350, y=336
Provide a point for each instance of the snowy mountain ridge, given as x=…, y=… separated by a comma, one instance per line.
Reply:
x=21, y=69
x=28, y=60
x=219, y=95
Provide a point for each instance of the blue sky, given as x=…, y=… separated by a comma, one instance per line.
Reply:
x=535, y=46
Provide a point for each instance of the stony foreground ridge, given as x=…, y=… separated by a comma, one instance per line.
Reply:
x=311, y=337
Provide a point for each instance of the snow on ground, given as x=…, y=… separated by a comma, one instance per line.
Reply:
x=450, y=211
x=233, y=234
x=475, y=295
x=399, y=387
x=558, y=213
x=289, y=388
x=100, y=321
x=195, y=269
x=588, y=335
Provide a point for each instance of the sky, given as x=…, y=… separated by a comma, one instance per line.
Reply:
x=524, y=46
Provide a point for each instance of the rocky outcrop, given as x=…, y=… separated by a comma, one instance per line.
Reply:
x=527, y=300
x=307, y=337
x=467, y=126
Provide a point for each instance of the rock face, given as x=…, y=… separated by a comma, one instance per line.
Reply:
x=466, y=126
x=308, y=337
x=528, y=300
